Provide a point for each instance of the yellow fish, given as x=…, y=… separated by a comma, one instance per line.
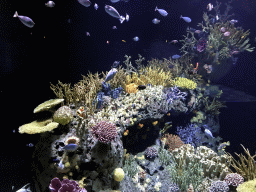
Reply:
x=124, y=41
x=222, y=146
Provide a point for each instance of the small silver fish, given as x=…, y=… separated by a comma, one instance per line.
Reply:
x=25, y=20
x=136, y=38
x=111, y=74
x=114, y=27
x=85, y=3
x=187, y=19
x=88, y=34
x=23, y=189
x=50, y=4
x=209, y=7
x=162, y=12
x=127, y=17
x=96, y=6
x=114, y=13
x=226, y=34
x=222, y=146
x=156, y=21
x=208, y=133
x=233, y=21
x=30, y=145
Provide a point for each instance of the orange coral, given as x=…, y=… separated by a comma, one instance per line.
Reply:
x=172, y=141
x=131, y=88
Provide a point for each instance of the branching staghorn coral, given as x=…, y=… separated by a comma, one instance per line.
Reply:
x=246, y=166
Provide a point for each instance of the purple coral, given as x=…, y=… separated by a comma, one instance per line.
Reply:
x=201, y=45
x=189, y=134
x=151, y=152
x=219, y=186
x=175, y=94
x=65, y=186
x=104, y=131
x=234, y=179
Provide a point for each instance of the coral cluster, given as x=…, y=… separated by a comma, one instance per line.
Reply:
x=104, y=131
x=65, y=185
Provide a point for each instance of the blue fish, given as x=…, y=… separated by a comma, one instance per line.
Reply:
x=96, y=6
x=111, y=74
x=162, y=12
x=187, y=19
x=25, y=20
x=175, y=56
x=70, y=147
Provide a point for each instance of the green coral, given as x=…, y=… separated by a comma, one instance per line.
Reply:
x=130, y=166
x=185, y=173
x=185, y=83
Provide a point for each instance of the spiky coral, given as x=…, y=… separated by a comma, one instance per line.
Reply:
x=246, y=166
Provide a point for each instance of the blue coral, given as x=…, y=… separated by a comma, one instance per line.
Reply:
x=219, y=186
x=174, y=94
x=189, y=134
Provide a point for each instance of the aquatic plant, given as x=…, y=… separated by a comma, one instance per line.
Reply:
x=130, y=166
x=213, y=107
x=246, y=167
x=184, y=173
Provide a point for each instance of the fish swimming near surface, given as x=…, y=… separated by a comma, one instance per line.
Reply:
x=85, y=3
x=25, y=20
x=187, y=19
x=25, y=189
x=162, y=12
x=114, y=13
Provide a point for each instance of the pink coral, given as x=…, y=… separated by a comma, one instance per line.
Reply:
x=104, y=131
x=65, y=186
x=234, y=179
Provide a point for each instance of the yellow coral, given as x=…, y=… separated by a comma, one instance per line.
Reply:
x=249, y=186
x=118, y=174
x=38, y=126
x=131, y=88
x=185, y=83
